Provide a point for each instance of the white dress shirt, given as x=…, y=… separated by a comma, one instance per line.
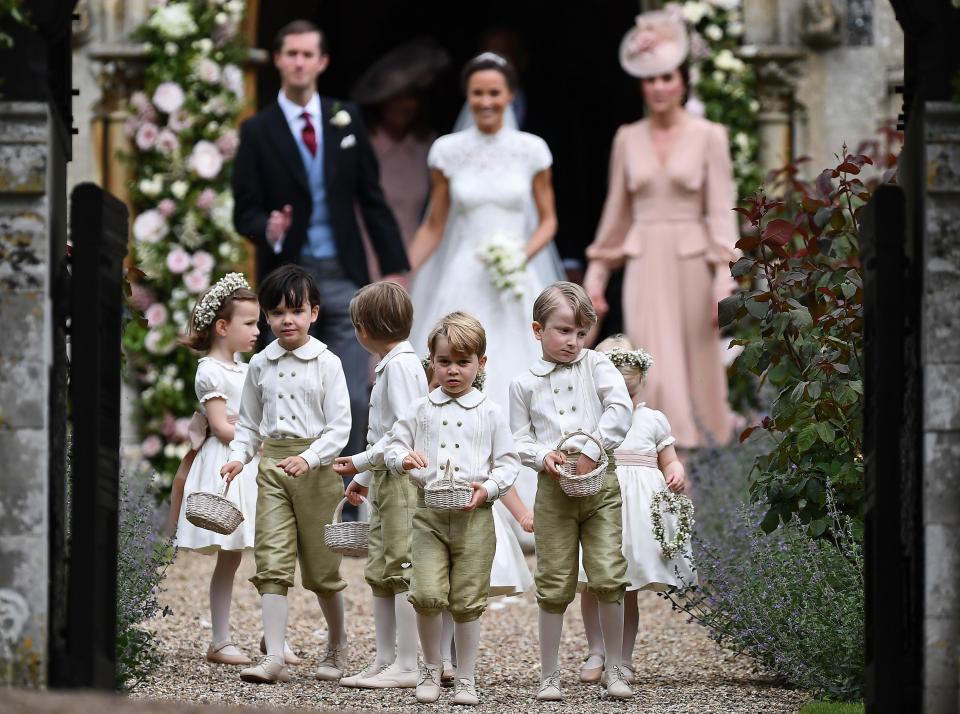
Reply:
x=400, y=382
x=470, y=431
x=293, y=113
x=553, y=400
x=298, y=394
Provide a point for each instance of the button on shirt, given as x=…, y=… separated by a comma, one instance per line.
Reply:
x=470, y=431
x=552, y=400
x=399, y=383
x=295, y=394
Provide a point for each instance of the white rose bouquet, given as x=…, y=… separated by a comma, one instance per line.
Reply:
x=506, y=263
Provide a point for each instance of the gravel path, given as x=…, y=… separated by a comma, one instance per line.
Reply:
x=679, y=669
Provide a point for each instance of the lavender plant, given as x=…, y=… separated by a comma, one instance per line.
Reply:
x=142, y=561
x=792, y=603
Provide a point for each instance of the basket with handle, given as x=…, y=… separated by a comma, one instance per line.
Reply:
x=346, y=538
x=587, y=484
x=214, y=512
x=448, y=493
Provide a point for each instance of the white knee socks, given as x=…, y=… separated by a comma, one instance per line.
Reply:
x=407, y=639
x=631, y=624
x=467, y=636
x=591, y=625
x=611, y=624
x=274, y=609
x=446, y=646
x=332, y=607
x=221, y=593
x=430, y=628
x=385, y=629
x=551, y=628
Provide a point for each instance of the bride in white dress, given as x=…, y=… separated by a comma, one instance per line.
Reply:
x=482, y=178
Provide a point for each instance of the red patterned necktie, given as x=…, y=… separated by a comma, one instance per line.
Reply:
x=309, y=134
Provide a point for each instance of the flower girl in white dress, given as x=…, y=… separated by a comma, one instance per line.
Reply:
x=647, y=463
x=223, y=323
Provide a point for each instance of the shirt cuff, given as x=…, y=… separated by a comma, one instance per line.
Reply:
x=310, y=456
x=363, y=478
x=278, y=246
x=492, y=489
x=362, y=462
x=541, y=455
x=591, y=450
x=237, y=456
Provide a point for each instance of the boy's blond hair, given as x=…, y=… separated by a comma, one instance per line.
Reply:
x=571, y=293
x=384, y=310
x=464, y=332
x=629, y=370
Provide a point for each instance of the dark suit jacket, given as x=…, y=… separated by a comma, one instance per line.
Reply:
x=269, y=173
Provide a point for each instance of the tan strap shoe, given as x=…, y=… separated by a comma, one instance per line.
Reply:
x=216, y=655
x=289, y=658
x=270, y=671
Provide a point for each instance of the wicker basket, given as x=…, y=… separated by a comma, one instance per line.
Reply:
x=346, y=538
x=213, y=512
x=589, y=483
x=448, y=493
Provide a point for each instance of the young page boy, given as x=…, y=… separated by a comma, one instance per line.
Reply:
x=453, y=550
x=573, y=389
x=382, y=316
x=295, y=402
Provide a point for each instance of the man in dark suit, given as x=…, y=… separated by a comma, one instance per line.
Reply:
x=303, y=166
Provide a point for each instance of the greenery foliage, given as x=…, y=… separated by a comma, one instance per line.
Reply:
x=184, y=137
x=142, y=561
x=802, y=261
x=13, y=9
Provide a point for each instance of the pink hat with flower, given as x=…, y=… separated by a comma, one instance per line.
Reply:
x=655, y=45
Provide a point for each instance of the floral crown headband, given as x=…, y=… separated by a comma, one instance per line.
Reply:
x=209, y=304
x=638, y=358
x=478, y=381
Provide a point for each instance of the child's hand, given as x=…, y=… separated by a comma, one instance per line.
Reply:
x=231, y=470
x=294, y=466
x=343, y=465
x=355, y=491
x=479, y=496
x=585, y=465
x=552, y=462
x=527, y=522
x=676, y=479
x=414, y=460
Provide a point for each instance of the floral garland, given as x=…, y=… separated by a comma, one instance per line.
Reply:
x=183, y=130
x=723, y=83
x=638, y=358
x=680, y=506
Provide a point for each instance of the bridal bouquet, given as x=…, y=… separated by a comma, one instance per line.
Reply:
x=506, y=262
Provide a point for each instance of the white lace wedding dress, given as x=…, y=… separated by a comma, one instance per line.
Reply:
x=490, y=178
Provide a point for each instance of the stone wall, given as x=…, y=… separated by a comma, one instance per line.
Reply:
x=940, y=361
x=32, y=239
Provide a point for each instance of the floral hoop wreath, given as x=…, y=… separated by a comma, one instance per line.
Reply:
x=209, y=305
x=478, y=381
x=638, y=358
x=680, y=506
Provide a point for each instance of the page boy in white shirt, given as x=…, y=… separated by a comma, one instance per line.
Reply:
x=453, y=550
x=573, y=389
x=295, y=402
x=382, y=316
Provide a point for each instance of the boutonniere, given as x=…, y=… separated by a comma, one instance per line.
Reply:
x=341, y=117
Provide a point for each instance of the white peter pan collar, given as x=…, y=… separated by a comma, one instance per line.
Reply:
x=311, y=349
x=542, y=368
x=471, y=399
x=402, y=348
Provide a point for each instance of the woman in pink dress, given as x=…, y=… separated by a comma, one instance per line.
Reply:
x=669, y=221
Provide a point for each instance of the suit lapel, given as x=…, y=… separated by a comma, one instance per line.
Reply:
x=279, y=133
x=331, y=141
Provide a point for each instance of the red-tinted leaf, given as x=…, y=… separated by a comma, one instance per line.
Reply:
x=745, y=434
x=748, y=243
x=827, y=291
x=848, y=168
x=810, y=204
x=778, y=232
x=825, y=183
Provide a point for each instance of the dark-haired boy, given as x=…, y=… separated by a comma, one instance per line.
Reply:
x=295, y=403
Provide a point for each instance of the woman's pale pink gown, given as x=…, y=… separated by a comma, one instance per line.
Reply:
x=673, y=228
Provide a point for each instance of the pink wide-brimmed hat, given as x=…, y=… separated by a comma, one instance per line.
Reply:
x=656, y=44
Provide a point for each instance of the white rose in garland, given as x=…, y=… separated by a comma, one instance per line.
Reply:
x=206, y=160
x=173, y=21
x=169, y=97
x=150, y=227
x=178, y=260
